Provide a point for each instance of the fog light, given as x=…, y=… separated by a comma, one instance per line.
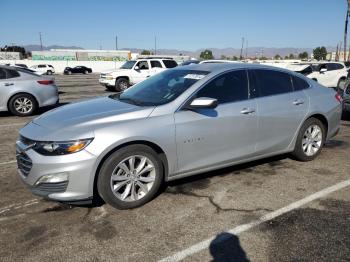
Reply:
x=52, y=178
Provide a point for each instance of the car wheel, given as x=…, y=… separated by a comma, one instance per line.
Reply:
x=341, y=83
x=49, y=72
x=130, y=177
x=121, y=84
x=22, y=105
x=310, y=140
x=86, y=72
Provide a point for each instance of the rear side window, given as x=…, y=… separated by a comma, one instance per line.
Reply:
x=156, y=64
x=2, y=74
x=334, y=66
x=229, y=87
x=41, y=66
x=170, y=63
x=12, y=73
x=299, y=84
x=269, y=82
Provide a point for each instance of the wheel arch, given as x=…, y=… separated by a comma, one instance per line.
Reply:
x=154, y=146
x=126, y=77
x=323, y=120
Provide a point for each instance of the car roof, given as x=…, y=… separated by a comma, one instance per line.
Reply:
x=221, y=67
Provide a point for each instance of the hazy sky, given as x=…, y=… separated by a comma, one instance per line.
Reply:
x=178, y=24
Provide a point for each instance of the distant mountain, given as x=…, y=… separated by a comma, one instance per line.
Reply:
x=38, y=48
x=217, y=52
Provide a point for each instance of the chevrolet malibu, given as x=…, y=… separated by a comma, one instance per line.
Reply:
x=181, y=122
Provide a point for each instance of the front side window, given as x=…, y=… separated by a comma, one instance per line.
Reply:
x=156, y=64
x=41, y=66
x=229, y=87
x=269, y=82
x=143, y=65
x=128, y=65
x=161, y=88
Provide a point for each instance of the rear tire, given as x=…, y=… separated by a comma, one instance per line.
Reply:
x=86, y=72
x=22, y=105
x=341, y=83
x=135, y=182
x=310, y=140
x=49, y=72
x=121, y=84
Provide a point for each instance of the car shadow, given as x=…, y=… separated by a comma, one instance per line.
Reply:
x=226, y=247
x=40, y=111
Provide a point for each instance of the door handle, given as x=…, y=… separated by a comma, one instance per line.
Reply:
x=298, y=102
x=247, y=111
x=8, y=84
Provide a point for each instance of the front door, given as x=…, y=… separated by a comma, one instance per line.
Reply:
x=206, y=137
x=140, y=72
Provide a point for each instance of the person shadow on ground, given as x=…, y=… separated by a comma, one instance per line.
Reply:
x=226, y=248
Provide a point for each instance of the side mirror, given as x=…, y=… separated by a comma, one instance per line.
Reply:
x=136, y=68
x=203, y=102
x=323, y=70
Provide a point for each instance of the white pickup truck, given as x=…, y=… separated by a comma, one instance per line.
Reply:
x=133, y=72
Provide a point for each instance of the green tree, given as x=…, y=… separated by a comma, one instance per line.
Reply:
x=223, y=57
x=320, y=53
x=234, y=58
x=291, y=56
x=145, y=52
x=286, y=57
x=206, y=55
x=277, y=57
x=303, y=55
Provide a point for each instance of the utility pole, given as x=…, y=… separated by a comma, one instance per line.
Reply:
x=41, y=42
x=116, y=42
x=346, y=28
x=246, y=50
x=155, y=45
x=241, y=55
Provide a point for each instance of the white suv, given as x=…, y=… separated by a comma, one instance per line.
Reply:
x=330, y=74
x=43, y=69
x=134, y=71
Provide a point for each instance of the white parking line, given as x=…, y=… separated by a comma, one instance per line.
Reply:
x=8, y=162
x=244, y=227
x=18, y=206
x=15, y=124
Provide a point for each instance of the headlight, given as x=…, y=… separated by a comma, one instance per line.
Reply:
x=61, y=148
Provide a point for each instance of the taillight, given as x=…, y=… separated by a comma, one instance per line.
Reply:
x=338, y=97
x=45, y=82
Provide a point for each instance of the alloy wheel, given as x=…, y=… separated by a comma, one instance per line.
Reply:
x=23, y=105
x=312, y=140
x=133, y=178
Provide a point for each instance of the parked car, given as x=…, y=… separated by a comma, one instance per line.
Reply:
x=346, y=97
x=77, y=70
x=133, y=72
x=189, y=62
x=22, y=92
x=329, y=74
x=43, y=69
x=180, y=122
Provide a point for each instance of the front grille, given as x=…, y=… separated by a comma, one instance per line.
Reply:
x=52, y=187
x=103, y=76
x=24, y=163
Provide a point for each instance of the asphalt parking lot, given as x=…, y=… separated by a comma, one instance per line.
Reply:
x=225, y=215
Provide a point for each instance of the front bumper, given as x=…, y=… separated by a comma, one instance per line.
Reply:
x=106, y=82
x=78, y=167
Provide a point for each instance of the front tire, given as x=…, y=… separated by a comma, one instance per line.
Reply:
x=22, y=105
x=310, y=140
x=49, y=72
x=121, y=84
x=130, y=177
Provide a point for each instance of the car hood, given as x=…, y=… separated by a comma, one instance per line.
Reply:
x=116, y=71
x=80, y=119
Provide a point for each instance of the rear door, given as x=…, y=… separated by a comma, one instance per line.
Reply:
x=205, y=137
x=156, y=67
x=280, y=109
x=8, y=80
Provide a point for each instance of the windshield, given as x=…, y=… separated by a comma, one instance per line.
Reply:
x=162, y=88
x=128, y=65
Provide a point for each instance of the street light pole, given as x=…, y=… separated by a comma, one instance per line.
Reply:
x=346, y=28
x=116, y=42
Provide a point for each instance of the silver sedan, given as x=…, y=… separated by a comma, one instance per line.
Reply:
x=22, y=91
x=181, y=122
